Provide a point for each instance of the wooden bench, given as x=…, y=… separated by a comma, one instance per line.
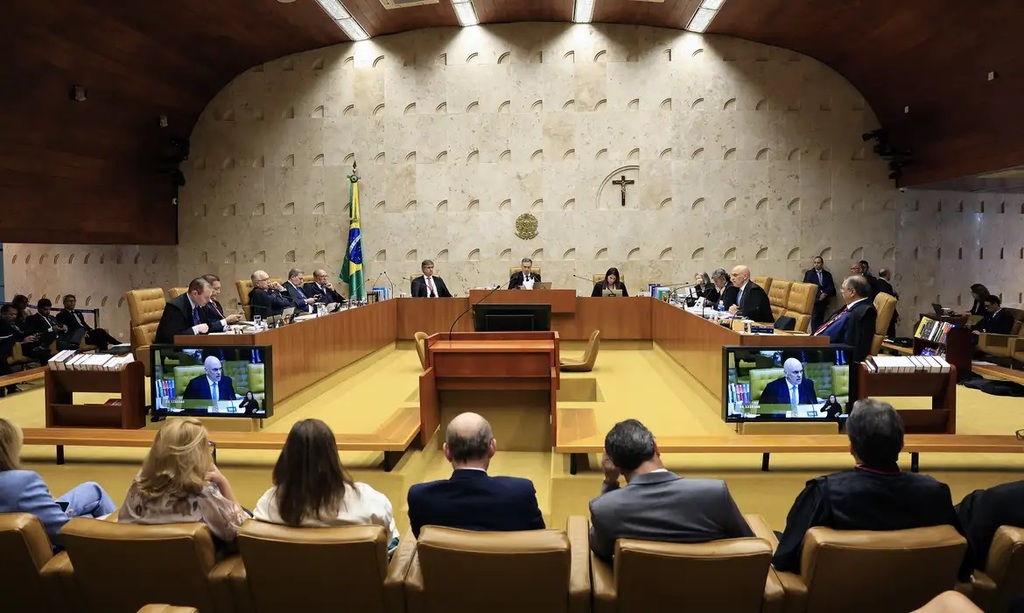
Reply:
x=898, y=349
x=993, y=371
x=394, y=437
x=23, y=376
x=578, y=437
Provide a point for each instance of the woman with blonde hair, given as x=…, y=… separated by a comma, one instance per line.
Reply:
x=311, y=489
x=24, y=491
x=179, y=483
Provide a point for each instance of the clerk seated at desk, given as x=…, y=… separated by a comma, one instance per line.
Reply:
x=267, y=298
x=611, y=286
x=212, y=385
x=995, y=321
x=428, y=285
x=525, y=278
x=187, y=314
x=791, y=389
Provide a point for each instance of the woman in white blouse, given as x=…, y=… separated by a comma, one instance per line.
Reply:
x=311, y=489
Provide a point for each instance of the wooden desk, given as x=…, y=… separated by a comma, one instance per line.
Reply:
x=510, y=378
x=561, y=300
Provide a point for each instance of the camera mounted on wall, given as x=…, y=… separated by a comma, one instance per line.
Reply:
x=898, y=158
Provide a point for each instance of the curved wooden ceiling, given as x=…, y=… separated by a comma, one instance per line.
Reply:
x=89, y=171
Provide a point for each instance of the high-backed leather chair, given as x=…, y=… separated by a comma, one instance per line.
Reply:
x=885, y=305
x=536, y=269
x=586, y=362
x=764, y=282
x=1002, y=581
x=123, y=567
x=145, y=306
x=800, y=304
x=421, y=347
x=539, y=571
x=778, y=296
x=299, y=569
x=174, y=292
x=895, y=571
x=761, y=377
x=1004, y=345
x=599, y=276
x=244, y=286
x=24, y=586
x=729, y=575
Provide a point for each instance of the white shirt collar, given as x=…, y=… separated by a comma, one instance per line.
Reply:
x=850, y=306
x=483, y=470
x=191, y=302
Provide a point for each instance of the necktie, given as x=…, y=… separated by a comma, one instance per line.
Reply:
x=794, y=397
x=216, y=310
x=820, y=281
x=301, y=294
x=213, y=391
x=831, y=320
x=195, y=316
x=431, y=290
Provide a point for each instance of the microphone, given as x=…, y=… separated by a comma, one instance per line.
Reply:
x=496, y=288
x=392, y=283
x=583, y=278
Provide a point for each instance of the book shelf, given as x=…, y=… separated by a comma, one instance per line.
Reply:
x=63, y=412
x=951, y=341
x=941, y=419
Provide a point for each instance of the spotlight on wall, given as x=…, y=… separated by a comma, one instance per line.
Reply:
x=78, y=93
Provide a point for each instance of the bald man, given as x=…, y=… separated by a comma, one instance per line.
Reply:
x=792, y=389
x=471, y=499
x=751, y=299
x=212, y=385
x=321, y=288
x=267, y=298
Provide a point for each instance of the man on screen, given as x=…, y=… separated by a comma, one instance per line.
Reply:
x=212, y=385
x=792, y=388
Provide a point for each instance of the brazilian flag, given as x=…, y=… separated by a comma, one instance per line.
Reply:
x=352, y=269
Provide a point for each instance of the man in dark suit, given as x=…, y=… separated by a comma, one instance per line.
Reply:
x=427, y=285
x=792, y=389
x=982, y=512
x=875, y=495
x=853, y=324
x=186, y=314
x=751, y=299
x=11, y=333
x=45, y=326
x=321, y=288
x=77, y=328
x=267, y=298
x=524, y=278
x=471, y=499
x=997, y=321
x=656, y=505
x=213, y=385
x=215, y=310
x=826, y=290
x=293, y=287
x=863, y=269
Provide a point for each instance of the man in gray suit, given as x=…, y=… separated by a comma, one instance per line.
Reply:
x=656, y=505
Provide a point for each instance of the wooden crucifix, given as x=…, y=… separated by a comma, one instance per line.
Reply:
x=623, y=182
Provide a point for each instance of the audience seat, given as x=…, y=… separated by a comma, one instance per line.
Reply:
x=537, y=571
x=26, y=583
x=1002, y=345
x=535, y=269
x=301, y=569
x=174, y=292
x=800, y=304
x=764, y=282
x=421, y=347
x=1002, y=581
x=778, y=296
x=589, y=358
x=123, y=567
x=732, y=575
x=885, y=305
x=895, y=571
x=145, y=307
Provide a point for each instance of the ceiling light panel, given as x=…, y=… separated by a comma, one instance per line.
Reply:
x=583, y=11
x=343, y=19
x=704, y=15
x=466, y=13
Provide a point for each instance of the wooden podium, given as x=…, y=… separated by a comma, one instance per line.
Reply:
x=511, y=378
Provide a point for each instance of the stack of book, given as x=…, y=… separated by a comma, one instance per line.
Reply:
x=69, y=359
x=906, y=364
x=932, y=330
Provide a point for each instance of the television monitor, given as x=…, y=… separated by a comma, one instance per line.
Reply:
x=787, y=383
x=198, y=381
x=511, y=317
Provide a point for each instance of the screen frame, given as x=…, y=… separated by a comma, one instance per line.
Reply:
x=726, y=349
x=539, y=311
x=268, y=379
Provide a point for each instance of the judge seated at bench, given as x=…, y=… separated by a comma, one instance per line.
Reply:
x=212, y=385
x=187, y=314
x=525, y=278
x=321, y=288
x=751, y=299
x=792, y=389
x=267, y=298
x=429, y=285
x=611, y=286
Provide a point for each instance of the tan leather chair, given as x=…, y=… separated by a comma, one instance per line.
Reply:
x=537, y=571
x=729, y=575
x=421, y=347
x=299, y=569
x=174, y=292
x=778, y=295
x=166, y=608
x=1005, y=345
x=244, y=286
x=1003, y=578
x=123, y=567
x=145, y=307
x=764, y=282
x=800, y=304
x=885, y=305
x=895, y=571
x=599, y=276
x=513, y=270
x=26, y=583
x=589, y=358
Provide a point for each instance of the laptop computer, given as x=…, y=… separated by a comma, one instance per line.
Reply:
x=542, y=285
x=937, y=308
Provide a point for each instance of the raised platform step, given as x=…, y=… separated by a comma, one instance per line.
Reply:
x=23, y=376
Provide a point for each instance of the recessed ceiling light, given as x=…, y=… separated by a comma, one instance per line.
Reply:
x=701, y=20
x=583, y=11
x=344, y=19
x=465, y=12
x=713, y=5
x=334, y=9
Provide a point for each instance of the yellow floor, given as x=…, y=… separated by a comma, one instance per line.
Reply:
x=643, y=383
